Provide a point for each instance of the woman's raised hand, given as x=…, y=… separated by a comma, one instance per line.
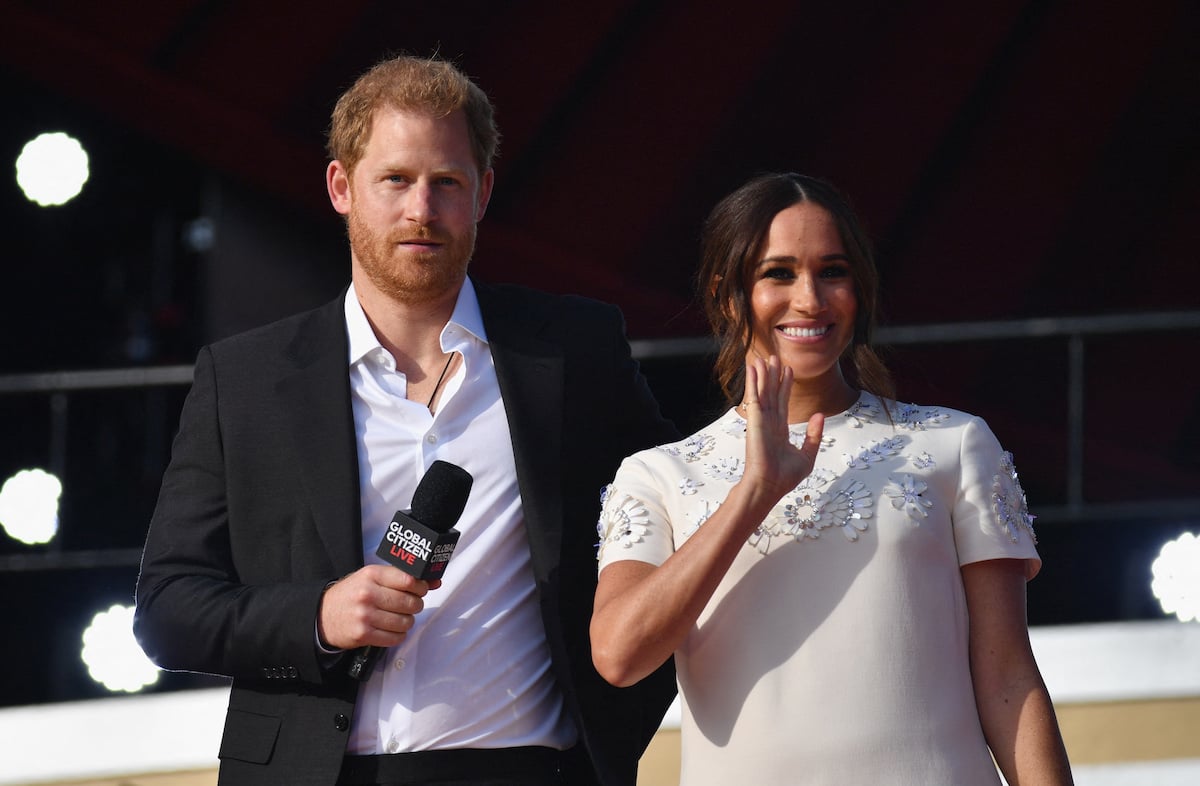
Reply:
x=772, y=461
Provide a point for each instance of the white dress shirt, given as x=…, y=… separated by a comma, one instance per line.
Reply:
x=474, y=672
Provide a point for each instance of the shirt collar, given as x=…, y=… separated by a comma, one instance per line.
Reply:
x=466, y=316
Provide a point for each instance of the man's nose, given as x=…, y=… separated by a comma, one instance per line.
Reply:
x=420, y=205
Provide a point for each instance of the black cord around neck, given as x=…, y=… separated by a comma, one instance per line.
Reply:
x=445, y=368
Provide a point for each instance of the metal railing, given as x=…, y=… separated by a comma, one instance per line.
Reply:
x=1074, y=330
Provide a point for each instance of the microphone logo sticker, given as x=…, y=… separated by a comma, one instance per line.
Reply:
x=407, y=545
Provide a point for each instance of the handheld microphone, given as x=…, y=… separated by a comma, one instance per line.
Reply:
x=421, y=540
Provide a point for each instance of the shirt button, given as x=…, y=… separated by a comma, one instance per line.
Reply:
x=399, y=664
x=393, y=746
x=432, y=438
x=341, y=722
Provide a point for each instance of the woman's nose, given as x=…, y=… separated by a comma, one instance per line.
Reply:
x=806, y=294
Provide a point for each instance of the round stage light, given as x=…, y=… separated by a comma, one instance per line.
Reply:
x=112, y=655
x=29, y=506
x=52, y=169
x=1176, y=581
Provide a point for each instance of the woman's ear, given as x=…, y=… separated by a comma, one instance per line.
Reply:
x=723, y=300
x=713, y=284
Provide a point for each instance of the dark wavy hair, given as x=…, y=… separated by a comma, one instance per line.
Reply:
x=731, y=246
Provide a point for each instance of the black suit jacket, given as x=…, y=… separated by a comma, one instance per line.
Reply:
x=259, y=510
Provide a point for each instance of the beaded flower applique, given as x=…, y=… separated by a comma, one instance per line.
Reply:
x=623, y=519
x=915, y=418
x=692, y=449
x=727, y=469
x=905, y=494
x=820, y=502
x=875, y=453
x=923, y=460
x=862, y=411
x=737, y=428
x=1008, y=501
x=695, y=518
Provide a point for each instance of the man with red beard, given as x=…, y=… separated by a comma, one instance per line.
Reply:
x=299, y=440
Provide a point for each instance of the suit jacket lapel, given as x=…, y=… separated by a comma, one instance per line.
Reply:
x=316, y=396
x=315, y=392
x=530, y=372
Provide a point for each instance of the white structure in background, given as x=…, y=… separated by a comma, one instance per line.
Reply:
x=52, y=169
x=130, y=736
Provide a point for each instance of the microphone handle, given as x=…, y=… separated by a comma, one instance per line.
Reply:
x=363, y=662
x=419, y=549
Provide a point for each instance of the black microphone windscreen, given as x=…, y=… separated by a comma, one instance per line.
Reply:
x=441, y=496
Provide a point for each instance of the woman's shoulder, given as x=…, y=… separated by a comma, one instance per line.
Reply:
x=874, y=426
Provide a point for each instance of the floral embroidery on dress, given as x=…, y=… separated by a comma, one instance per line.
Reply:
x=736, y=427
x=760, y=539
x=850, y=507
x=905, y=493
x=875, y=452
x=1008, y=501
x=817, y=505
x=689, y=486
x=623, y=520
x=924, y=460
x=698, y=517
x=803, y=507
x=696, y=447
x=604, y=492
x=796, y=437
x=728, y=469
x=862, y=411
x=915, y=418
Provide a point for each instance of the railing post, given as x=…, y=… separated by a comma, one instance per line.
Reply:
x=1075, y=440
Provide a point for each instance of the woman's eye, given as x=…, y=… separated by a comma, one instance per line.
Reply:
x=777, y=272
x=835, y=271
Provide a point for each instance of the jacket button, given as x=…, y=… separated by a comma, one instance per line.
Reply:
x=341, y=722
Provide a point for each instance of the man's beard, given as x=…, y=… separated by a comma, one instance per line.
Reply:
x=405, y=276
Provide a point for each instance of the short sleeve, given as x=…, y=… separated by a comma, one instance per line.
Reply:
x=991, y=516
x=634, y=520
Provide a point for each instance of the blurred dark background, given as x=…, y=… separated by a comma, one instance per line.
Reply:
x=1030, y=165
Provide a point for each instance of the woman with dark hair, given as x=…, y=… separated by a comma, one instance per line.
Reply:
x=840, y=577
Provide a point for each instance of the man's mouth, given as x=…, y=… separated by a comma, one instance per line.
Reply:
x=422, y=242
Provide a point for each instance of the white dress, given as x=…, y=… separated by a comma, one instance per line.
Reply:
x=834, y=651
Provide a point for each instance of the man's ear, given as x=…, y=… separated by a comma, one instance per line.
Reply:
x=337, y=182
